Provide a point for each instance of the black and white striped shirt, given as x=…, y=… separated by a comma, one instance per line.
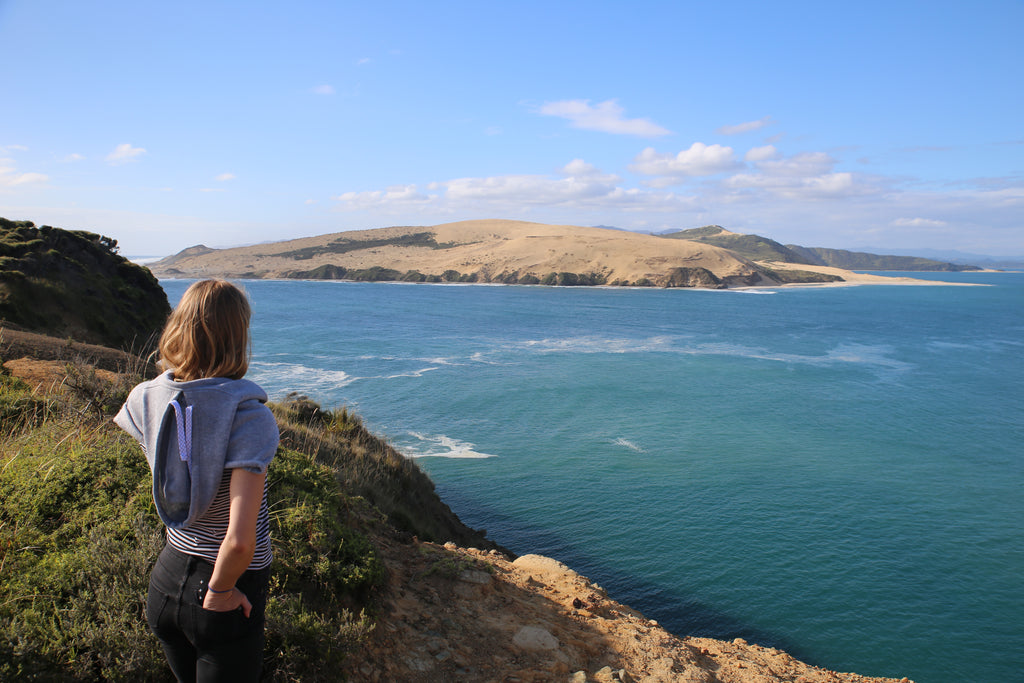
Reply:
x=203, y=538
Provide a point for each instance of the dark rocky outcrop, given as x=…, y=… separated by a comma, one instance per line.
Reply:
x=74, y=284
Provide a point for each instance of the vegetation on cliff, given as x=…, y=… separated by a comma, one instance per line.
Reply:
x=73, y=283
x=753, y=247
x=79, y=534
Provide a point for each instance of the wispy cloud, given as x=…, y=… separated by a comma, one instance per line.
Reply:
x=746, y=127
x=766, y=153
x=919, y=223
x=606, y=117
x=125, y=153
x=71, y=158
x=224, y=177
x=576, y=186
x=323, y=90
x=10, y=177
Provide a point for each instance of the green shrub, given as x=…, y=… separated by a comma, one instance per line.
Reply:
x=79, y=535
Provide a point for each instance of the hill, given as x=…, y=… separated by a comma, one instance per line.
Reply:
x=858, y=260
x=757, y=248
x=753, y=247
x=73, y=284
x=510, y=252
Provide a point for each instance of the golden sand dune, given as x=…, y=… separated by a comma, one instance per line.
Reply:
x=491, y=251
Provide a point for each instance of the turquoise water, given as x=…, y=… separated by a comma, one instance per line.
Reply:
x=837, y=472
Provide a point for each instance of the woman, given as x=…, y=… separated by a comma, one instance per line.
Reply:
x=208, y=438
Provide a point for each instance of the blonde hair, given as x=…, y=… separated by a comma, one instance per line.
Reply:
x=207, y=335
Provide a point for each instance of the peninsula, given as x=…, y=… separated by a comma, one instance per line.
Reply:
x=517, y=252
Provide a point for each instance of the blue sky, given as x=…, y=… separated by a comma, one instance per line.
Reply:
x=885, y=124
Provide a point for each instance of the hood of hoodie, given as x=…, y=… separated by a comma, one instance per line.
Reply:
x=192, y=432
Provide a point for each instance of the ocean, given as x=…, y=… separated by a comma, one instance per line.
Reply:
x=837, y=472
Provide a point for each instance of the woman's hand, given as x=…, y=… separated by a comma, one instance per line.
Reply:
x=225, y=602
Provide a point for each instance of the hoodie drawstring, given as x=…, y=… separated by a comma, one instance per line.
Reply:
x=184, y=434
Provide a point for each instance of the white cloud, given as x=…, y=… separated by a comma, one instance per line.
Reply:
x=395, y=195
x=323, y=90
x=698, y=160
x=745, y=127
x=831, y=185
x=71, y=158
x=224, y=177
x=578, y=167
x=919, y=223
x=766, y=153
x=211, y=189
x=579, y=187
x=605, y=117
x=124, y=153
x=364, y=60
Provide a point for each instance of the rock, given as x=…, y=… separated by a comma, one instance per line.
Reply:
x=542, y=565
x=578, y=677
x=604, y=675
x=535, y=638
x=474, y=576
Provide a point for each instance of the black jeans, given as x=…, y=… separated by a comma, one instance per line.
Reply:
x=202, y=645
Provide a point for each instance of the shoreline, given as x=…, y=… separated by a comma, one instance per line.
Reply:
x=861, y=279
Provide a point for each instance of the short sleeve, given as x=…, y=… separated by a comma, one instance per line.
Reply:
x=254, y=438
x=124, y=420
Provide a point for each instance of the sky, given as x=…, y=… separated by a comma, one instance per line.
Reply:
x=885, y=124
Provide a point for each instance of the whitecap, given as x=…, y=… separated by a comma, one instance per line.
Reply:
x=411, y=373
x=440, y=446
x=295, y=377
x=628, y=444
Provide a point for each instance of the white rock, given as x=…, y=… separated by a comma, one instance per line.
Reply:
x=535, y=638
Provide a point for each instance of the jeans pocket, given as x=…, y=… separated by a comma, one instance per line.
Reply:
x=216, y=628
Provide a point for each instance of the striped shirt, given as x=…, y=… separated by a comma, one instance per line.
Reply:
x=203, y=538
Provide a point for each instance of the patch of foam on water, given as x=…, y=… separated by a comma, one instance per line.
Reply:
x=440, y=446
x=626, y=443
x=286, y=377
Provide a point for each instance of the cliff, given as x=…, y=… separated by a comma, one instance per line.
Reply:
x=74, y=284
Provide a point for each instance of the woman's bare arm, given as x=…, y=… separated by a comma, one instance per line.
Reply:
x=239, y=543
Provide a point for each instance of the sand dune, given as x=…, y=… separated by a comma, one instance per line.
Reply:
x=489, y=248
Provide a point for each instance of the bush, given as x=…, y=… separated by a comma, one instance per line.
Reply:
x=79, y=535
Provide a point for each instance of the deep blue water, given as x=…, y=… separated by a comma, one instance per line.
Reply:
x=834, y=471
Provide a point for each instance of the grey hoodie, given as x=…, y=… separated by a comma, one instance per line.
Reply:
x=192, y=432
